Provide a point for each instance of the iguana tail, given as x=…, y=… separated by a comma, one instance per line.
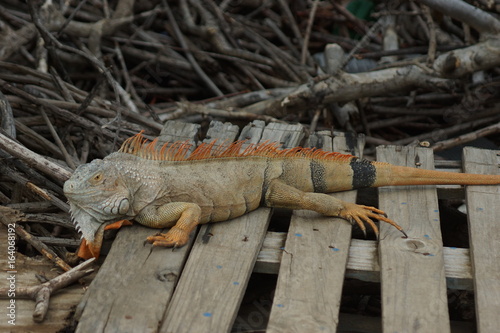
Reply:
x=345, y=172
x=387, y=174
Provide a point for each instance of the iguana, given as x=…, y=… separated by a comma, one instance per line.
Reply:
x=162, y=187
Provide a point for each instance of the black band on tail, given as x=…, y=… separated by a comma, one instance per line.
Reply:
x=364, y=173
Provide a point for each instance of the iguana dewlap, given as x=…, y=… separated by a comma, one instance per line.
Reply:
x=161, y=187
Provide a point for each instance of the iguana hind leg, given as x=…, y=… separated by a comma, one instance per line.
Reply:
x=282, y=195
x=182, y=217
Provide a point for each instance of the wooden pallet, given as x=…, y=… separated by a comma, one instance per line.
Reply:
x=199, y=288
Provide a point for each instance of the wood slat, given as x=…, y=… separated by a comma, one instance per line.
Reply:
x=135, y=283
x=214, y=280
x=133, y=286
x=363, y=261
x=307, y=297
x=483, y=207
x=412, y=270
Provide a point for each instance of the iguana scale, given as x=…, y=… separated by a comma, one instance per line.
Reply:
x=161, y=187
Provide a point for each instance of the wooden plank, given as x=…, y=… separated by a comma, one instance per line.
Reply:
x=220, y=131
x=309, y=288
x=363, y=262
x=135, y=283
x=133, y=286
x=269, y=257
x=214, y=280
x=412, y=270
x=483, y=207
x=179, y=131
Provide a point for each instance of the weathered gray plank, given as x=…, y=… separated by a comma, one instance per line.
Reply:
x=178, y=131
x=483, y=207
x=412, y=270
x=135, y=283
x=216, y=274
x=269, y=257
x=221, y=131
x=214, y=280
x=363, y=261
x=307, y=297
x=133, y=286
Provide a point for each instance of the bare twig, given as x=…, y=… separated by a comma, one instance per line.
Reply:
x=32, y=158
x=310, y=22
x=41, y=293
x=10, y=216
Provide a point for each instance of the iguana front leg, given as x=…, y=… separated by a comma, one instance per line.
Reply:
x=182, y=217
x=282, y=195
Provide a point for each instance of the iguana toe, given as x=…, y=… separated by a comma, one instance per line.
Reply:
x=360, y=215
x=175, y=237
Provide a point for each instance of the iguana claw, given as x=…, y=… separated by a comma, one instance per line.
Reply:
x=175, y=237
x=361, y=214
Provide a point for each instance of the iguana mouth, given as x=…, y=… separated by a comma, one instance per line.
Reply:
x=92, y=231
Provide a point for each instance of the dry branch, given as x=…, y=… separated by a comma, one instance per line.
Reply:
x=41, y=293
x=345, y=87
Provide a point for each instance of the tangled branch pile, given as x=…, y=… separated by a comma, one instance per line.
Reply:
x=77, y=77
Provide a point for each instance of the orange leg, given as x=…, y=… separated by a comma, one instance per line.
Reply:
x=282, y=195
x=182, y=217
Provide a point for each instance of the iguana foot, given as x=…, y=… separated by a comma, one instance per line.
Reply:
x=175, y=237
x=360, y=215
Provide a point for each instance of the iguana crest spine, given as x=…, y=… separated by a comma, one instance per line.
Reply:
x=139, y=146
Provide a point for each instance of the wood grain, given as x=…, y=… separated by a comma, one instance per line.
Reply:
x=363, y=261
x=216, y=275
x=307, y=297
x=412, y=270
x=483, y=207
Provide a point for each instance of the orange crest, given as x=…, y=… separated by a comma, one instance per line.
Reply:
x=138, y=145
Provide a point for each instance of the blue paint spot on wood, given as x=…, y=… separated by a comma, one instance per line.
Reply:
x=236, y=283
x=207, y=314
x=298, y=235
x=218, y=266
x=280, y=305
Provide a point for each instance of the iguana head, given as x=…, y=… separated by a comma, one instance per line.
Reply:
x=97, y=196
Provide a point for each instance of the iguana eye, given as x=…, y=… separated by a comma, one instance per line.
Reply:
x=97, y=177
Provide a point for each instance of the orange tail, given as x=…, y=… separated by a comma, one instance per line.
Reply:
x=388, y=175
